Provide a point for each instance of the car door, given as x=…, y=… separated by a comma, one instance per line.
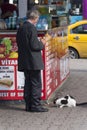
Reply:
x=78, y=39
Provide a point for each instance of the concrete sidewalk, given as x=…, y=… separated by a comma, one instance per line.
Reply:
x=13, y=116
x=78, y=64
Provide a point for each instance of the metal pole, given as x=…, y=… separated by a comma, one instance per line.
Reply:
x=84, y=9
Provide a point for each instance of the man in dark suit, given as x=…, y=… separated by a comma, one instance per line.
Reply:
x=30, y=61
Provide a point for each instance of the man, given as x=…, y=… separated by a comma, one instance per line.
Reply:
x=30, y=61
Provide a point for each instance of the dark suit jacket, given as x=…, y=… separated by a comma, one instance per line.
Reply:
x=29, y=48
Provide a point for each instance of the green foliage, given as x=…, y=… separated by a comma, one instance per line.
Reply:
x=7, y=43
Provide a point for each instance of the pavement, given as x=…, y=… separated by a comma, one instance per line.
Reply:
x=13, y=116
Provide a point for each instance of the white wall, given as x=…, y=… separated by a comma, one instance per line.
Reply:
x=22, y=5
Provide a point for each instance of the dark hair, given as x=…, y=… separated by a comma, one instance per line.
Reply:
x=32, y=14
x=6, y=1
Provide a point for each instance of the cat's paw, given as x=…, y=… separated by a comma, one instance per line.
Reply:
x=61, y=106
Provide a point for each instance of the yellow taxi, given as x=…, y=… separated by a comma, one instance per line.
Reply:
x=77, y=39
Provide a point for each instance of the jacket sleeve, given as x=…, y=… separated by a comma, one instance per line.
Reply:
x=34, y=42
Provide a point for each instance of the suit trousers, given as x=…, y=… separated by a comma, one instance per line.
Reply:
x=32, y=88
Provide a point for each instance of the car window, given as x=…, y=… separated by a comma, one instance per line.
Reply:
x=82, y=29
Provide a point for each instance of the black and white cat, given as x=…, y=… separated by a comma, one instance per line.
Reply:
x=67, y=101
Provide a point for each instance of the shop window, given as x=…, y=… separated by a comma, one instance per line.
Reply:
x=7, y=8
x=8, y=14
x=76, y=7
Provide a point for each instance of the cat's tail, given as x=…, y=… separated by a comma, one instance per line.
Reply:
x=81, y=104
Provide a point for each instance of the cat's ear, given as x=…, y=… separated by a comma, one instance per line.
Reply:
x=72, y=97
x=55, y=100
x=66, y=97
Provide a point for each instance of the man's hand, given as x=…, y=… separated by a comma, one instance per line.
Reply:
x=42, y=39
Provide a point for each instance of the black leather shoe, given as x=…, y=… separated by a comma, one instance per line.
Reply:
x=41, y=109
x=28, y=108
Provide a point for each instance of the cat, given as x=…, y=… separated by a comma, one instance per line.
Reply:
x=67, y=101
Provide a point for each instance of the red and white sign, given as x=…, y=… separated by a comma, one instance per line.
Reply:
x=56, y=61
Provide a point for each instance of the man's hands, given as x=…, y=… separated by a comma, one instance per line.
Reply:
x=43, y=40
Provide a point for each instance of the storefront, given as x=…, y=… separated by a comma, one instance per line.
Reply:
x=75, y=10
x=55, y=54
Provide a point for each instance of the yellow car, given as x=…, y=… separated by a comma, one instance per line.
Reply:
x=77, y=39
